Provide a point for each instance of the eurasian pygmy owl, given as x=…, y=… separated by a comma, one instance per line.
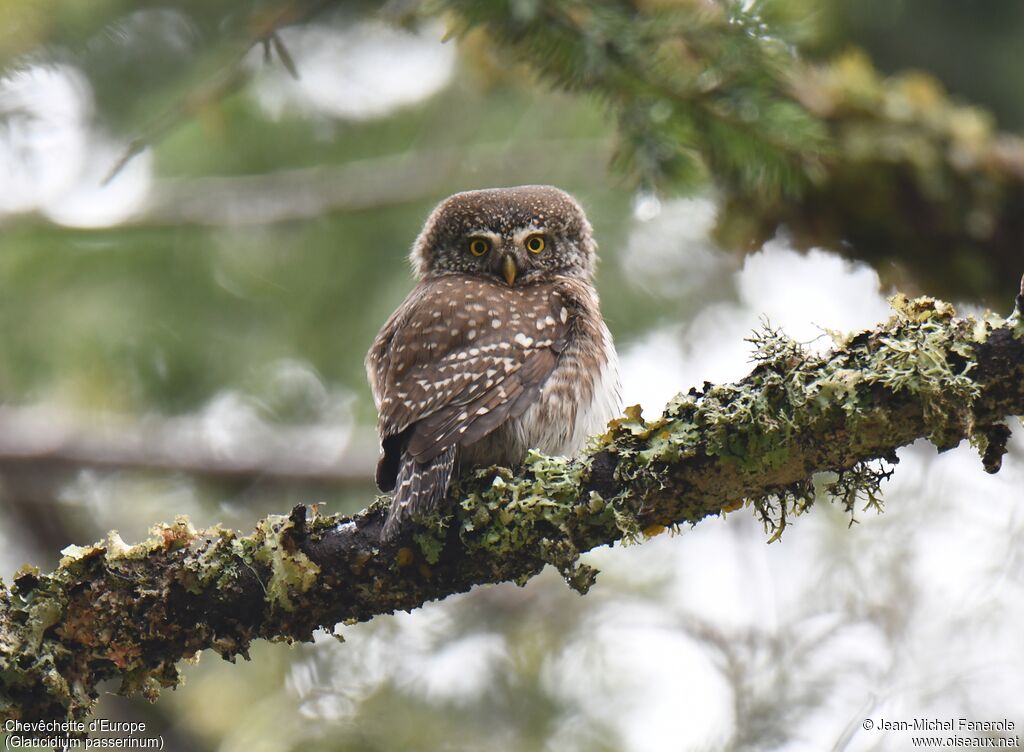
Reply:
x=500, y=347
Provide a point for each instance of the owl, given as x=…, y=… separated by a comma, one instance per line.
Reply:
x=499, y=349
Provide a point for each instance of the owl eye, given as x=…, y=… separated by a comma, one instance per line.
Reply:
x=536, y=243
x=478, y=246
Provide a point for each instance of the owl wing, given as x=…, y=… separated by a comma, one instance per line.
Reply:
x=459, y=358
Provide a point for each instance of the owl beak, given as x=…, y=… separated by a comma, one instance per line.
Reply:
x=508, y=268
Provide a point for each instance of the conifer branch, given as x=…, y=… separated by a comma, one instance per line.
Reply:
x=888, y=170
x=133, y=612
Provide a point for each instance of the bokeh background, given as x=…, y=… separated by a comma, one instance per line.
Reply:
x=187, y=338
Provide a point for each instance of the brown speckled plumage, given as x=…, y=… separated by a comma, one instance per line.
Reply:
x=475, y=369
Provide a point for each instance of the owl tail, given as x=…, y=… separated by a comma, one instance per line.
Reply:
x=419, y=490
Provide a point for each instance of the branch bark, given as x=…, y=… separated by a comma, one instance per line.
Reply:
x=49, y=441
x=114, y=611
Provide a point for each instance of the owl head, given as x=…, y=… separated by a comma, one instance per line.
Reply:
x=516, y=235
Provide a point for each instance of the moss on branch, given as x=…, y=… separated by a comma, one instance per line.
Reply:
x=133, y=612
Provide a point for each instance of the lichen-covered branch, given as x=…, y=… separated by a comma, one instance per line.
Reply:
x=133, y=612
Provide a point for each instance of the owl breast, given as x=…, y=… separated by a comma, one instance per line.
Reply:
x=576, y=401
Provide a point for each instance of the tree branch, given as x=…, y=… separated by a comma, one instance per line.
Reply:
x=114, y=611
x=34, y=437
x=287, y=195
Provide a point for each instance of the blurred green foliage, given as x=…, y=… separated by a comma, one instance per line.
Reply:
x=694, y=85
x=970, y=47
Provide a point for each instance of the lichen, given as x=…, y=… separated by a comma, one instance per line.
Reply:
x=290, y=568
x=565, y=557
x=774, y=509
x=919, y=358
x=503, y=513
x=862, y=482
x=506, y=514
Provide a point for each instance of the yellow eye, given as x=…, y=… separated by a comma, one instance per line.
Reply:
x=478, y=246
x=536, y=243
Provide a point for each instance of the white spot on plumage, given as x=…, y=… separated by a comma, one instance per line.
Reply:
x=496, y=323
x=522, y=340
x=563, y=315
